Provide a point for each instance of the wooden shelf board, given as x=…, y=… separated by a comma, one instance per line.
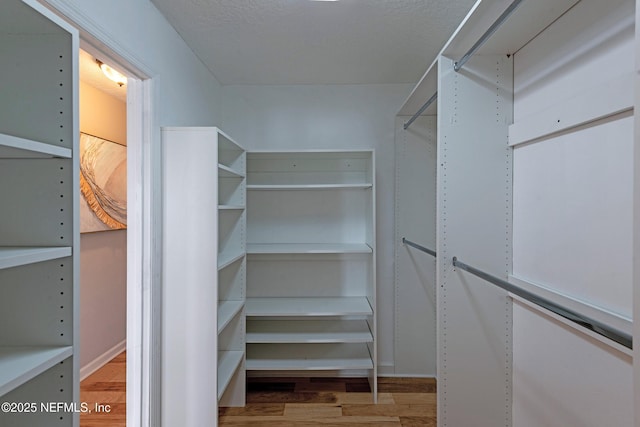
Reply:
x=301, y=357
x=228, y=364
x=227, y=310
x=308, y=331
x=20, y=364
x=307, y=248
x=321, y=306
x=17, y=256
x=14, y=147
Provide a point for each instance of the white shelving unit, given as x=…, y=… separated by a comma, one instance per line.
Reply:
x=39, y=238
x=311, y=263
x=204, y=271
x=535, y=137
x=310, y=306
x=308, y=331
x=308, y=248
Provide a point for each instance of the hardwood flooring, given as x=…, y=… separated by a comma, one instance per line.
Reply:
x=106, y=387
x=334, y=402
x=287, y=402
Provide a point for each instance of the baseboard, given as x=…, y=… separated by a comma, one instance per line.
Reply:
x=102, y=360
x=390, y=372
x=406, y=376
x=385, y=370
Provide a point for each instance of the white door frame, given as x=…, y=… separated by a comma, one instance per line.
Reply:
x=144, y=245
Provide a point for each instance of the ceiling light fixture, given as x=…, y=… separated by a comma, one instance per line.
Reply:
x=112, y=74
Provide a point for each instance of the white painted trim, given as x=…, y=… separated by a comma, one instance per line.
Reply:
x=102, y=360
x=135, y=336
x=636, y=224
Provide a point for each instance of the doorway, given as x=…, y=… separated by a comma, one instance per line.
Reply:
x=142, y=276
x=103, y=240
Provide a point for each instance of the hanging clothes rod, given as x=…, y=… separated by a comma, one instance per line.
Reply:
x=424, y=107
x=584, y=321
x=492, y=29
x=419, y=247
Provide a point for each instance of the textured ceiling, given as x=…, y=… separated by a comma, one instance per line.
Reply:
x=315, y=42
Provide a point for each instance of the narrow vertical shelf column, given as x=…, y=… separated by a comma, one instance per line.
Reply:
x=39, y=237
x=204, y=273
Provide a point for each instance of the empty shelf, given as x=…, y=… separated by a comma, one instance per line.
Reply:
x=16, y=256
x=299, y=357
x=14, y=147
x=226, y=260
x=227, y=310
x=308, y=331
x=230, y=207
x=20, y=364
x=321, y=306
x=228, y=363
x=308, y=248
x=227, y=172
x=294, y=187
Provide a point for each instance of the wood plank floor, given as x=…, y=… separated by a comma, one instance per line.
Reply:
x=106, y=386
x=287, y=402
x=334, y=402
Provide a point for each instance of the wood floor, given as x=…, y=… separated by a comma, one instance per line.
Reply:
x=334, y=402
x=286, y=402
x=106, y=387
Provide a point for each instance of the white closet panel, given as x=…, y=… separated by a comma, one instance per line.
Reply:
x=591, y=45
x=554, y=376
x=573, y=214
x=415, y=271
x=203, y=274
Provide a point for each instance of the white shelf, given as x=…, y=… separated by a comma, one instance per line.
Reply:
x=227, y=310
x=301, y=357
x=227, y=172
x=226, y=260
x=302, y=187
x=308, y=248
x=228, y=364
x=20, y=364
x=321, y=306
x=16, y=256
x=230, y=207
x=14, y=147
x=308, y=331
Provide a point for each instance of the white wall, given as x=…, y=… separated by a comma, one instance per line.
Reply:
x=332, y=117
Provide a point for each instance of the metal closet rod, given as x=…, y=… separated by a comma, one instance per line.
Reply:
x=424, y=107
x=582, y=320
x=419, y=247
x=457, y=66
x=492, y=29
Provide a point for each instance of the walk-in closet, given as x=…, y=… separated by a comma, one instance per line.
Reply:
x=339, y=212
